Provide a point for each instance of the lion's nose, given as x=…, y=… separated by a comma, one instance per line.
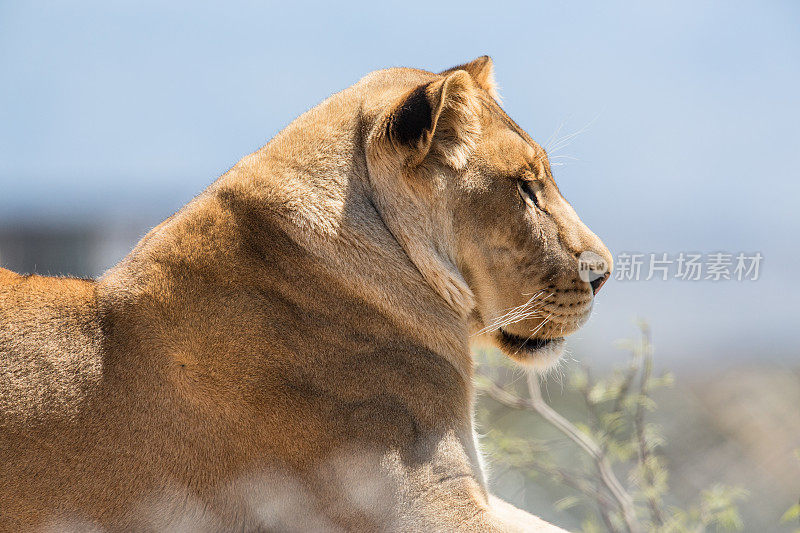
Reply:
x=599, y=282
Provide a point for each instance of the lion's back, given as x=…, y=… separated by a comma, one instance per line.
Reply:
x=49, y=347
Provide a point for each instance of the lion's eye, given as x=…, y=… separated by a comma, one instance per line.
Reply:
x=527, y=193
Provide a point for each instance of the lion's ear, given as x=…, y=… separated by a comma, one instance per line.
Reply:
x=437, y=119
x=482, y=72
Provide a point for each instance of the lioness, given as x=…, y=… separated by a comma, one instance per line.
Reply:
x=290, y=351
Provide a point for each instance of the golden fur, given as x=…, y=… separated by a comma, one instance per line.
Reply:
x=290, y=351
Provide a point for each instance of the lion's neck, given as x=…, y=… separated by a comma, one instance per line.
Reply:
x=338, y=225
x=312, y=181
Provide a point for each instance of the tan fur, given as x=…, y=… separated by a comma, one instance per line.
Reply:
x=290, y=351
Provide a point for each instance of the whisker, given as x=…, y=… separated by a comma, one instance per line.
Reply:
x=564, y=141
x=528, y=309
x=550, y=139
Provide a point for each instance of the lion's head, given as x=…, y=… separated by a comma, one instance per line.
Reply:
x=471, y=198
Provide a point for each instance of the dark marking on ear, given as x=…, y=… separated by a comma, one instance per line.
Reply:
x=412, y=118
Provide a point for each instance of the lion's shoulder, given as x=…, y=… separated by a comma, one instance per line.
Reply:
x=50, y=338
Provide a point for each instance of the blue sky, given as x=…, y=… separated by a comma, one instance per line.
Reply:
x=687, y=113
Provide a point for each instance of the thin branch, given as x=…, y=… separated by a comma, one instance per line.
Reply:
x=588, y=444
x=575, y=481
x=605, y=514
x=536, y=403
x=630, y=374
x=638, y=423
x=579, y=483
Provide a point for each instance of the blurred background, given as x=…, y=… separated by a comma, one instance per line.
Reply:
x=674, y=127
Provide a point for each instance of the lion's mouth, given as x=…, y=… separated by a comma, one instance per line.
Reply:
x=528, y=344
x=529, y=348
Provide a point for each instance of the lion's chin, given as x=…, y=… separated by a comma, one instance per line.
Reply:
x=538, y=354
